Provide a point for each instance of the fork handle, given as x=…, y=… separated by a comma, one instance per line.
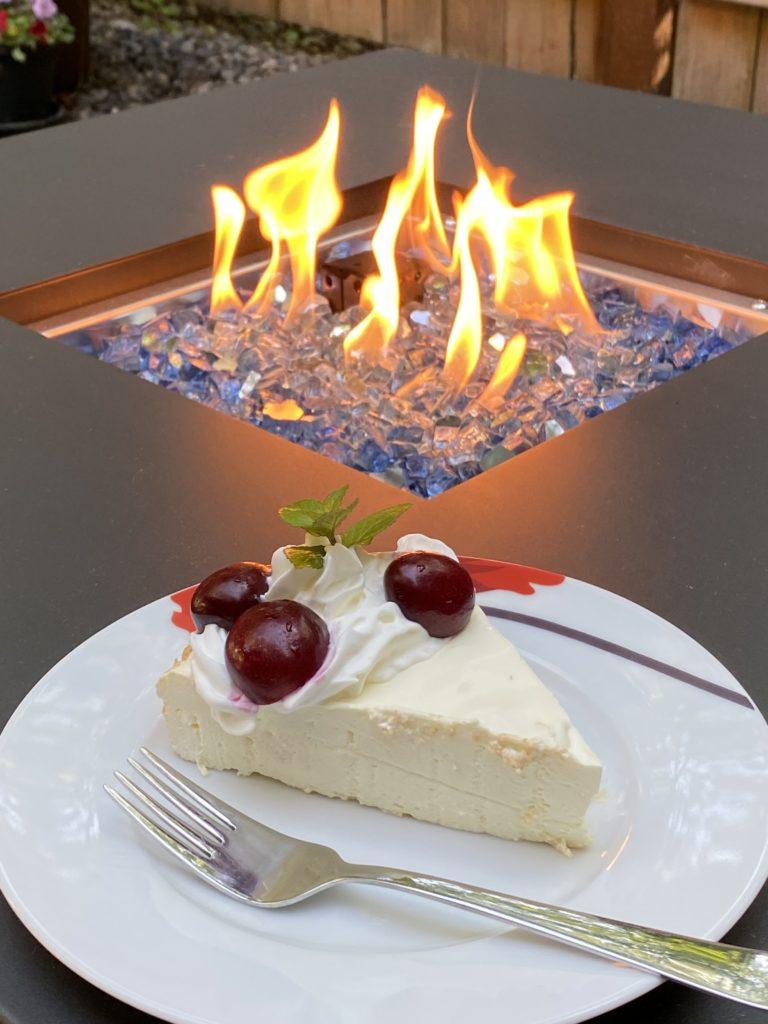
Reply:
x=729, y=971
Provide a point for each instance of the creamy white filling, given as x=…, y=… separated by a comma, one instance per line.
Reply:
x=371, y=639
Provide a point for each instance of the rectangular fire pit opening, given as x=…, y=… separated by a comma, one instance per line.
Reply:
x=398, y=418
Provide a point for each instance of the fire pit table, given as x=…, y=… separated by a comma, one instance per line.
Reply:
x=624, y=448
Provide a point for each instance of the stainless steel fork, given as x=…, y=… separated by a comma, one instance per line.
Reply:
x=256, y=864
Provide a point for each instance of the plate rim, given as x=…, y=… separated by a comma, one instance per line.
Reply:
x=637, y=986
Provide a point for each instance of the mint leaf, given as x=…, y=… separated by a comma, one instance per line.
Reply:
x=323, y=519
x=335, y=498
x=302, y=513
x=305, y=556
x=327, y=524
x=372, y=525
x=319, y=518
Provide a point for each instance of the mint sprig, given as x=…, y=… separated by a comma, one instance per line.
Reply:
x=324, y=517
x=319, y=518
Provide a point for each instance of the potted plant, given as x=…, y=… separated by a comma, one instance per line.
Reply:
x=30, y=31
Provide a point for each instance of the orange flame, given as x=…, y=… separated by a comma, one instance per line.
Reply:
x=425, y=228
x=297, y=199
x=466, y=337
x=530, y=247
x=411, y=192
x=533, y=264
x=229, y=215
x=506, y=370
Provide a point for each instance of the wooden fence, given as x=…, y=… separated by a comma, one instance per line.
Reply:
x=706, y=50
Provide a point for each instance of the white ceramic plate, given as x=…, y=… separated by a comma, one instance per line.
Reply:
x=680, y=839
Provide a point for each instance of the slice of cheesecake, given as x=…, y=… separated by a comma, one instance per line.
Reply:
x=469, y=738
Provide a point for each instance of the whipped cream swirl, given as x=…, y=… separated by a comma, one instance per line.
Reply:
x=371, y=639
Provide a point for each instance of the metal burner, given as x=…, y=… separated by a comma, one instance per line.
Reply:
x=340, y=279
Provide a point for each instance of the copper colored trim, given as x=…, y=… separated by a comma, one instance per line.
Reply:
x=50, y=298
x=708, y=267
x=47, y=299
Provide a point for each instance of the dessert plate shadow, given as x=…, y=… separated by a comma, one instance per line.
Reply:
x=680, y=835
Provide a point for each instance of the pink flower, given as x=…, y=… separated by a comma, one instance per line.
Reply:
x=44, y=8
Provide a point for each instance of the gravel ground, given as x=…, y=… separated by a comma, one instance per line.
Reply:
x=135, y=61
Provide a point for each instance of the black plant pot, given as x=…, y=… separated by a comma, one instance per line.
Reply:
x=26, y=87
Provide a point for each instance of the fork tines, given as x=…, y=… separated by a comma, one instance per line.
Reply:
x=194, y=833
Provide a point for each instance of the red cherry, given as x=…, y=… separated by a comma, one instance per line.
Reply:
x=431, y=589
x=226, y=593
x=274, y=648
